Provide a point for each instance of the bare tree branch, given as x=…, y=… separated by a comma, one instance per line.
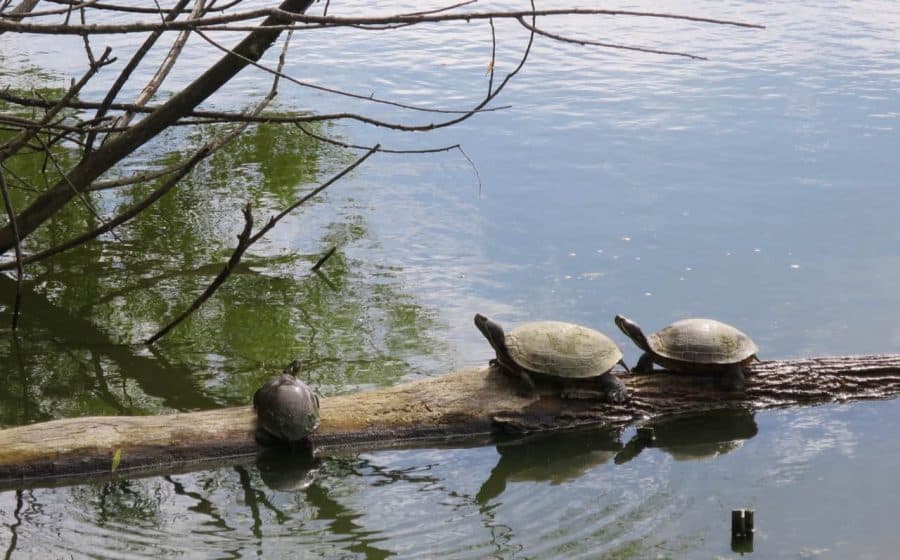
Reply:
x=20, y=273
x=301, y=22
x=179, y=170
x=584, y=42
x=22, y=10
x=127, y=71
x=70, y=123
x=156, y=81
x=102, y=159
x=210, y=117
x=334, y=142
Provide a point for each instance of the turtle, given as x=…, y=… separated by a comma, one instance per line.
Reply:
x=287, y=409
x=556, y=353
x=694, y=346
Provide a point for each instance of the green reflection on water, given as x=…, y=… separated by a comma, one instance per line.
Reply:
x=85, y=312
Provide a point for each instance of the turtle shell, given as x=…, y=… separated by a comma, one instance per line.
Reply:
x=562, y=349
x=702, y=341
x=287, y=408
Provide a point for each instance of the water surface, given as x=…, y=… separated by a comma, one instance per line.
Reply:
x=757, y=187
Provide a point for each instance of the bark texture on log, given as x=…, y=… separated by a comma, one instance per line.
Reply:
x=471, y=402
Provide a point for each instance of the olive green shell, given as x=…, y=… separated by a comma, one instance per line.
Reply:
x=702, y=341
x=562, y=349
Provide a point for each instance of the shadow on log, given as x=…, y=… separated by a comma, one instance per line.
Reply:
x=464, y=406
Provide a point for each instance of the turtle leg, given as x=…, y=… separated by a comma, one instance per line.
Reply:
x=645, y=364
x=616, y=391
x=526, y=384
x=529, y=389
x=732, y=378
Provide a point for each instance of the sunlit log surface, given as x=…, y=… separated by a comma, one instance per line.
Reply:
x=469, y=403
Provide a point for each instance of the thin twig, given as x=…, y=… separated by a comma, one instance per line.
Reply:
x=442, y=10
x=334, y=142
x=86, y=38
x=493, y=56
x=584, y=42
x=458, y=147
x=99, y=6
x=474, y=168
x=322, y=259
x=140, y=177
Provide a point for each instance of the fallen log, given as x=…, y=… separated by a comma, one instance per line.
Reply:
x=470, y=403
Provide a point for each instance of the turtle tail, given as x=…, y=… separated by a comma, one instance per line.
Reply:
x=633, y=331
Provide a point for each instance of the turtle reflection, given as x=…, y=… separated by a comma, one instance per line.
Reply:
x=287, y=469
x=554, y=457
x=695, y=435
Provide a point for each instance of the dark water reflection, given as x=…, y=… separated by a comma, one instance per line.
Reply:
x=561, y=495
x=758, y=187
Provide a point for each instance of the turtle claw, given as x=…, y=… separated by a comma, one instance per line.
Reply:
x=618, y=397
x=616, y=391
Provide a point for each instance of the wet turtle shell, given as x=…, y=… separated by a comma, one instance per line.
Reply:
x=698, y=346
x=562, y=349
x=702, y=341
x=554, y=350
x=287, y=408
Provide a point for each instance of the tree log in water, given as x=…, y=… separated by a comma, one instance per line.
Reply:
x=468, y=403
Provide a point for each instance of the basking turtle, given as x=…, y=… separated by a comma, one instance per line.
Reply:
x=287, y=408
x=557, y=353
x=699, y=346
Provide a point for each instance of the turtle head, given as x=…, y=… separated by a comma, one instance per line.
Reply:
x=632, y=331
x=293, y=368
x=491, y=331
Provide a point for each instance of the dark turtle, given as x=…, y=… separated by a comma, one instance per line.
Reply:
x=557, y=353
x=697, y=346
x=287, y=409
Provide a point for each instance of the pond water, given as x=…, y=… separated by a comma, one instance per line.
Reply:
x=758, y=187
